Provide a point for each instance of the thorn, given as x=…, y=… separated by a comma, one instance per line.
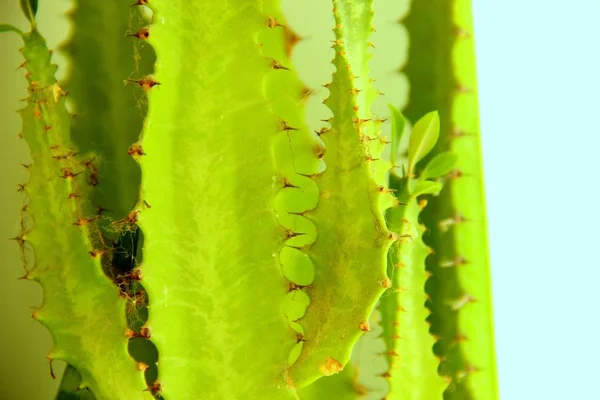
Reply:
x=22, y=65
x=142, y=34
x=286, y=127
x=146, y=204
x=74, y=195
x=21, y=187
x=364, y=326
x=322, y=131
x=51, y=371
x=147, y=82
x=19, y=239
x=140, y=3
x=463, y=89
x=27, y=276
x=457, y=262
x=68, y=174
x=386, y=283
x=462, y=301
x=155, y=387
x=272, y=22
x=142, y=367
x=460, y=338
x=145, y=333
x=82, y=221
x=383, y=189
x=97, y=253
x=455, y=174
x=290, y=234
x=135, y=150
x=276, y=65
x=287, y=183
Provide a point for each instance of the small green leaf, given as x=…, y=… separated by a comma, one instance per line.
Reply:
x=398, y=126
x=440, y=165
x=29, y=8
x=10, y=28
x=426, y=187
x=422, y=139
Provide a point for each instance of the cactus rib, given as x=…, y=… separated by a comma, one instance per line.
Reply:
x=67, y=254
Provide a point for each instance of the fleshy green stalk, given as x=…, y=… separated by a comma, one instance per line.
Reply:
x=441, y=71
x=59, y=232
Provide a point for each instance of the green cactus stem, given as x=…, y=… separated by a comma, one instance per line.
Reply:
x=413, y=368
x=441, y=72
x=61, y=235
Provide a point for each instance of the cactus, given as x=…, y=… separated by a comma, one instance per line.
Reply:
x=195, y=239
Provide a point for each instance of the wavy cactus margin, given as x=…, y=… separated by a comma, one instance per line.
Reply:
x=249, y=258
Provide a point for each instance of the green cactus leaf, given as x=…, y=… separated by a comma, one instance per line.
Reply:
x=29, y=8
x=440, y=165
x=426, y=187
x=67, y=260
x=422, y=139
x=398, y=128
x=10, y=28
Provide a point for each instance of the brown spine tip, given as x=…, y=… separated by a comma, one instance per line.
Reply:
x=456, y=174
x=272, y=22
x=136, y=150
x=142, y=367
x=386, y=283
x=140, y=3
x=364, y=326
x=130, y=333
x=146, y=82
x=156, y=387
x=82, y=221
x=51, y=370
x=277, y=65
x=68, y=174
x=142, y=34
x=286, y=127
x=330, y=367
x=74, y=195
x=97, y=253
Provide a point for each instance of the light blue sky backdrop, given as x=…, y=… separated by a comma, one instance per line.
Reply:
x=539, y=82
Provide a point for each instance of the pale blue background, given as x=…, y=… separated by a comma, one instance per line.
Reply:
x=539, y=82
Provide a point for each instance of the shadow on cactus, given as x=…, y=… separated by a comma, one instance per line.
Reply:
x=194, y=239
